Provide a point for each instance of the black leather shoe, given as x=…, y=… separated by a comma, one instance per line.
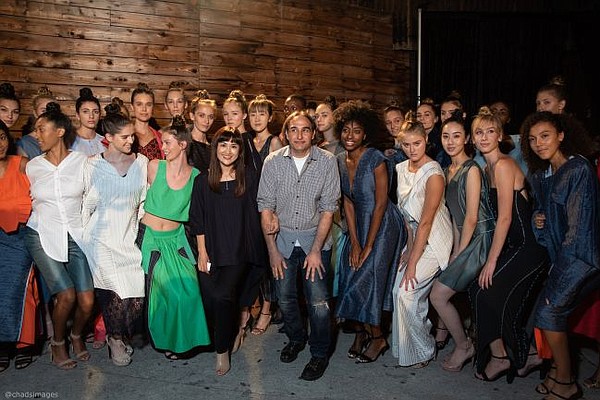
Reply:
x=314, y=369
x=290, y=351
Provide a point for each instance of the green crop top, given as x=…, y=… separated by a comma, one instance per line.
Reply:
x=165, y=202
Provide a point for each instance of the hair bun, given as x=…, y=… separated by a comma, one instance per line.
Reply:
x=261, y=97
x=44, y=91
x=485, y=111
x=411, y=117
x=53, y=107
x=7, y=91
x=86, y=93
x=238, y=95
x=454, y=94
x=557, y=80
x=112, y=109
x=142, y=86
x=429, y=101
x=178, y=122
x=177, y=84
x=202, y=94
x=331, y=101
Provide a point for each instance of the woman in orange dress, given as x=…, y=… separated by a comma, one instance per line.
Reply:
x=18, y=292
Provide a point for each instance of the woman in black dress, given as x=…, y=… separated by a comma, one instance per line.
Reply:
x=224, y=217
x=509, y=282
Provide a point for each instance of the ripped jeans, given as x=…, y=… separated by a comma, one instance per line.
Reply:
x=316, y=297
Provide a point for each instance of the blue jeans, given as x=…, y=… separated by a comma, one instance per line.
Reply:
x=317, y=299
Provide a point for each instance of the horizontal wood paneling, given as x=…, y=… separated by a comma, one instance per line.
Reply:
x=275, y=47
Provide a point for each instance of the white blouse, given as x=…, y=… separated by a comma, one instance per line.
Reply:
x=56, y=193
x=89, y=147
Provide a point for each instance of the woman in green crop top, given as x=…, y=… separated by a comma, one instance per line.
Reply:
x=176, y=319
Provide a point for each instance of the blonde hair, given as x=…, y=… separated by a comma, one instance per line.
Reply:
x=411, y=125
x=486, y=115
x=237, y=96
x=202, y=98
x=43, y=93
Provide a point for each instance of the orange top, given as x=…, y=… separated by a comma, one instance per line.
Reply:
x=15, y=202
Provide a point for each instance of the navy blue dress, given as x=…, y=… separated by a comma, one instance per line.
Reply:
x=569, y=200
x=363, y=294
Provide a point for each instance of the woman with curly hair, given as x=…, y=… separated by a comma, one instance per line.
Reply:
x=567, y=223
x=375, y=228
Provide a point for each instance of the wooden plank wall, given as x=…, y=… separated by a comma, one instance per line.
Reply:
x=275, y=47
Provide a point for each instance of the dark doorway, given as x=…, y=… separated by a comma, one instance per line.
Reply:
x=510, y=56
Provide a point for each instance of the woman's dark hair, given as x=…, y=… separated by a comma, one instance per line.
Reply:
x=7, y=92
x=458, y=118
x=303, y=113
x=227, y=134
x=394, y=106
x=177, y=86
x=114, y=121
x=85, y=94
x=299, y=98
x=262, y=103
x=142, y=88
x=557, y=87
x=180, y=130
x=362, y=113
x=331, y=102
x=454, y=98
x=12, y=148
x=60, y=120
x=576, y=139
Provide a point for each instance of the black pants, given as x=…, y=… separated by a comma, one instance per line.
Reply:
x=220, y=294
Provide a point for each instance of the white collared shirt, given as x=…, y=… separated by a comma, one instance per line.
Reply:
x=56, y=193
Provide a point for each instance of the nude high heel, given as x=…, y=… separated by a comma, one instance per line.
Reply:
x=117, y=352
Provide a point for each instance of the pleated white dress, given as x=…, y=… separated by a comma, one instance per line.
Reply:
x=112, y=208
x=412, y=342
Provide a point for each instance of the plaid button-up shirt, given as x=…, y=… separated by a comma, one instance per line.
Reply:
x=298, y=199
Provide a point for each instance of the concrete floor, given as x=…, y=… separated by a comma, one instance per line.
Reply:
x=257, y=373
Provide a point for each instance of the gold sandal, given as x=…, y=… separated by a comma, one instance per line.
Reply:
x=83, y=355
x=257, y=331
x=65, y=364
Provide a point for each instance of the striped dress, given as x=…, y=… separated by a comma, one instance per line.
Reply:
x=111, y=212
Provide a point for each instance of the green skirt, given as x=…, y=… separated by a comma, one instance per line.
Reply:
x=176, y=318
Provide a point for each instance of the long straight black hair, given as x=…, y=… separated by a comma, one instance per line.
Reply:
x=227, y=134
